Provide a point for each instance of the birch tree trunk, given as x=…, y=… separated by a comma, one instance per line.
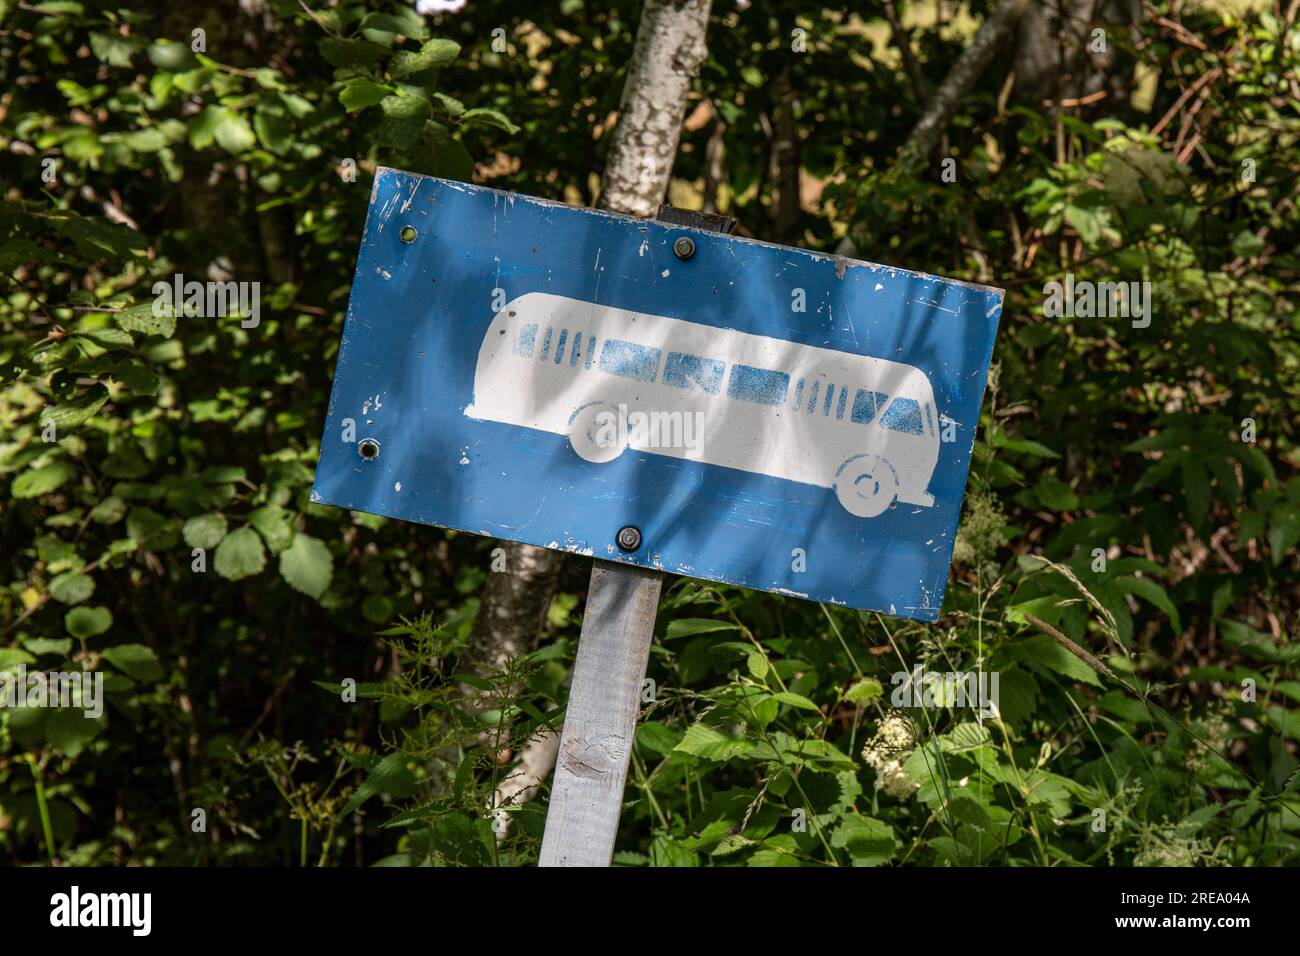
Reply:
x=669, y=51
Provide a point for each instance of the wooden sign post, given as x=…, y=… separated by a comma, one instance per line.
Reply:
x=605, y=694
x=600, y=721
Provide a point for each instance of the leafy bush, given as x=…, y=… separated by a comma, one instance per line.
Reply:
x=1127, y=563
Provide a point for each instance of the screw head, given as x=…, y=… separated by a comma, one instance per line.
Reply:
x=368, y=449
x=684, y=247
x=628, y=539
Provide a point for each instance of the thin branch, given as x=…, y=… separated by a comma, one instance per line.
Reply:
x=913, y=67
x=958, y=83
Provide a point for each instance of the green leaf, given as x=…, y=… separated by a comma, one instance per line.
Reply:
x=1154, y=594
x=205, y=531
x=68, y=730
x=142, y=318
x=48, y=645
x=232, y=132
x=1027, y=447
x=377, y=608
x=447, y=158
x=113, y=48
x=687, y=627
x=222, y=474
x=389, y=773
x=144, y=140
x=275, y=525
x=41, y=481
x=1042, y=650
x=732, y=843
x=433, y=53
x=85, y=622
x=1247, y=244
x=203, y=127
x=1293, y=782
x=481, y=116
x=1087, y=222
x=135, y=661
x=1055, y=494
x=1283, y=530
x=72, y=587
x=1257, y=644
x=453, y=106
x=127, y=461
x=171, y=56
x=76, y=413
x=656, y=737
x=796, y=700
x=345, y=53
x=864, y=690
x=1196, y=488
x=816, y=754
x=150, y=530
x=95, y=238
x=108, y=338
x=307, y=565
x=360, y=92
x=703, y=741
x=109, y=511
x=240, y=555
x=403, y=120
x=11, y=657
x=57, y=7
x=870, y=842
x=274, y=132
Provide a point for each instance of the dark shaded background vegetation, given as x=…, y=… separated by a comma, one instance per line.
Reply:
x=1169, y=158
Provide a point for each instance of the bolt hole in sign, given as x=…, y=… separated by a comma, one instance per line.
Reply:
x=766, y=416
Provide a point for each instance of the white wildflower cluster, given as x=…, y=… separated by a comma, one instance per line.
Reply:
x=1216, y=730
x=887, y=752
x=1164, y=846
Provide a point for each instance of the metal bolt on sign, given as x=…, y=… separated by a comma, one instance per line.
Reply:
x=629, y=538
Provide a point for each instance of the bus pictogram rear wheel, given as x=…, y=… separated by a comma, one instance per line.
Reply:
x=866, y=485
x=595, y=432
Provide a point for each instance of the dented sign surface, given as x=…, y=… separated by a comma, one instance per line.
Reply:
x=762, y=415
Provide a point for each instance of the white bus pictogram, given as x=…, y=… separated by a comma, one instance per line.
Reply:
x=866, y=427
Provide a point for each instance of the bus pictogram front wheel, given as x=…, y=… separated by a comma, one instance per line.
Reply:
x=595, y=432
x=866, y=485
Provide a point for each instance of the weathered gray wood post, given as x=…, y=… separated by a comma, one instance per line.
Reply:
x=596, y=743
x=605, y=695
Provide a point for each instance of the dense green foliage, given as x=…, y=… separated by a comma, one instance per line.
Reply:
x=155, y=523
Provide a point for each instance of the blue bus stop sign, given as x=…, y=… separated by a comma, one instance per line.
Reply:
x=765, y=416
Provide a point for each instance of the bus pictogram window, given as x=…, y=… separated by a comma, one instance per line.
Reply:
x=812, y=397
x=526, y=340
x=865, y=403
x=903, y=415
x=630, y=360
x=758, y=385
x=693, y=371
